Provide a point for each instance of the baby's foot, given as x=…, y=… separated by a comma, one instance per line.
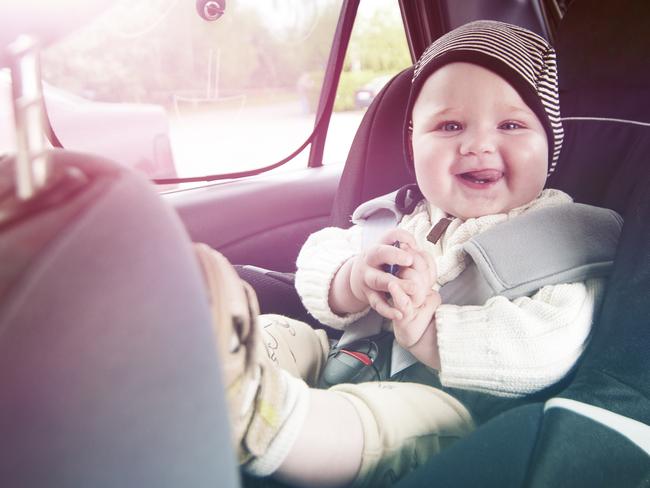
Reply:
x=255, y=388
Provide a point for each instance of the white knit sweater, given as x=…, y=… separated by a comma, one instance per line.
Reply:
x=504, y=347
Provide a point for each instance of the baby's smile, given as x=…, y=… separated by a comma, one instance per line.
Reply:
x=478, y=149
x=480, y=179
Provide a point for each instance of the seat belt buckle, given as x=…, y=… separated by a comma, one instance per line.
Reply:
x=359, y=356
x=353, y=363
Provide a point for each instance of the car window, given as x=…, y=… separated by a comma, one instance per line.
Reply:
x=153, y=85
x=378, y=50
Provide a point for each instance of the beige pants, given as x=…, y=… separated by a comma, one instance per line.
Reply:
x=295, y=346
x=403, y=423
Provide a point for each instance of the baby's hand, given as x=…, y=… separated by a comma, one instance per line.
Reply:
x=417, y=307
x=410, y=329
x=369, y=281
x=420, y=276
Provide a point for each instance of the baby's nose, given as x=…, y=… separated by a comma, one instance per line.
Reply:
x=477, y=141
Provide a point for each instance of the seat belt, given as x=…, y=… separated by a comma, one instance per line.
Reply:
x=560, y=244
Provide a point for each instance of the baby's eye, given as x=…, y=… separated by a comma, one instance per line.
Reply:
x=449, y=126
x=511, y=125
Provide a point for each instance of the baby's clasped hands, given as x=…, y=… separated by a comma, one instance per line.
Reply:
x=372, y=284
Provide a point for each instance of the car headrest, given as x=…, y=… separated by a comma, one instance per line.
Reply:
x=376, y=163
x=108, y=367
x=604, y=71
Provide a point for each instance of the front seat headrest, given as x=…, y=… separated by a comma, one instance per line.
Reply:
x=108, y=367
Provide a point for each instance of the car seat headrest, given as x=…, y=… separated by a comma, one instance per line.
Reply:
x=376, y=162
x=604, y=71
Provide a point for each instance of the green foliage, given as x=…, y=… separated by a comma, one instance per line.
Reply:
x=377, y=47
x=378, y=44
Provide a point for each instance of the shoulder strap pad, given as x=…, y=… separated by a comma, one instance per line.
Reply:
x=560, y=244
x=377, y=216
x=367, y=209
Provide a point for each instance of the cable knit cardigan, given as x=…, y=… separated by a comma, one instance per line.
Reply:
x=504, y=347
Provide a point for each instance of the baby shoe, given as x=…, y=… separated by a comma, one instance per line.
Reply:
x=255, y=387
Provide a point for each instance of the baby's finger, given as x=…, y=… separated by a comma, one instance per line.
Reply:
x=377, y=280
x=383, y=254
x=408, y=280
x=400, y=235
x=401, y=300
x=426, y=265
x=383, y=308
x=420, y=262
x=416, y=285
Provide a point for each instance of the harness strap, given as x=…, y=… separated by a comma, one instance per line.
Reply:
x=560, y=244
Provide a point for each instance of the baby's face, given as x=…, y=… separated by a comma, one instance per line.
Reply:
x=478, y=148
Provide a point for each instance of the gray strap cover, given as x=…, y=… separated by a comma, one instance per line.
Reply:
x=560, y=244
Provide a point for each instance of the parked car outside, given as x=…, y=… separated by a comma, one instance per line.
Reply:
x=364, y=96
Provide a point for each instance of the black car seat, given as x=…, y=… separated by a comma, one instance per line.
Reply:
x=603, y=59
x=605, y=54
x=596, y=432
x=376, y=163
x=108, y=367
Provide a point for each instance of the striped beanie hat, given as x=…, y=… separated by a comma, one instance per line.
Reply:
x=521, y=57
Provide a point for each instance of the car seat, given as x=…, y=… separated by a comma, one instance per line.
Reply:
x=376, y=163
x=604, y=66
x=606, y=109
x=596, y=432
x=108, y=367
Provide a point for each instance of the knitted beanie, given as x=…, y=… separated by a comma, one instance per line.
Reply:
x=521, y=57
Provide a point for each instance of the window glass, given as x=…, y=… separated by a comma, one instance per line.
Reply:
x=152, y=85
x=378, y=50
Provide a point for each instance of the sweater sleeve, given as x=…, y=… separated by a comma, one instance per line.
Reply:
x=318, y=261
x=513, y=348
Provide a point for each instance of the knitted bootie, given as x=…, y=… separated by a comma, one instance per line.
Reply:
x=256, y=389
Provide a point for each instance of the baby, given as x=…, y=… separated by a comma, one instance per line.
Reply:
x=483, y=132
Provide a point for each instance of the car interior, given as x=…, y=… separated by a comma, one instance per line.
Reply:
x=108, y=369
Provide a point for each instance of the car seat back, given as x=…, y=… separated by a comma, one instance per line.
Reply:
x=596, y=432
x=603, y=63
x=601, y=420
x=610, y=116
x=376, y=163
x=108, y=367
